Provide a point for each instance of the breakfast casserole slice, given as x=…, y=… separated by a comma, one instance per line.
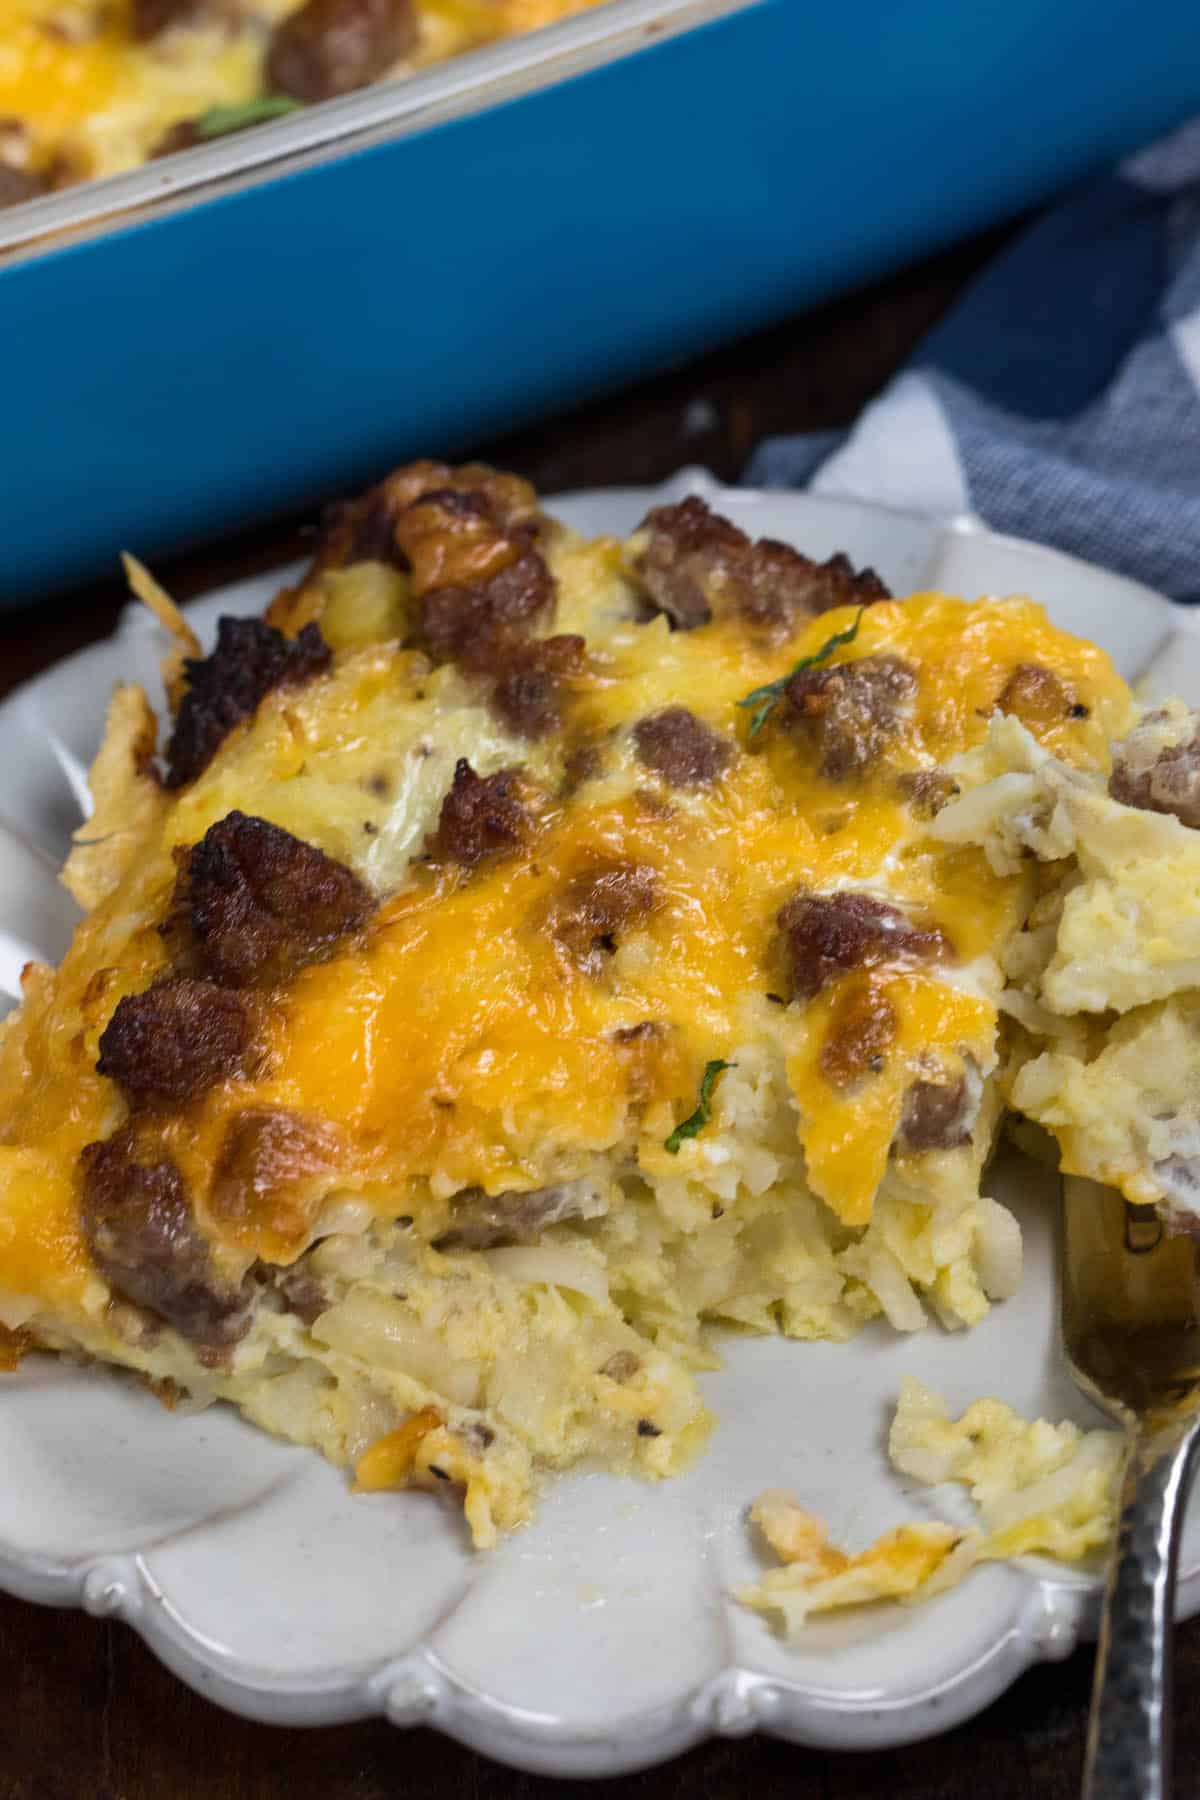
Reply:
x=530, y=955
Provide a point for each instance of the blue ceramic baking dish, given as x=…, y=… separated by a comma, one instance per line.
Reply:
x=275, y=316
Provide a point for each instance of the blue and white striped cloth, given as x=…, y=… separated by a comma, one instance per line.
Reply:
x=1060, y=399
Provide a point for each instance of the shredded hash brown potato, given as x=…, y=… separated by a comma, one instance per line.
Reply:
x=1036, y=1487
x=522, y=959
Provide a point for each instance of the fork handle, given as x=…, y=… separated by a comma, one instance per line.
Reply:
x=1128, y=1753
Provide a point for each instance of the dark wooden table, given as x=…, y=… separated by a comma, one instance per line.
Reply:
x=90, y=1715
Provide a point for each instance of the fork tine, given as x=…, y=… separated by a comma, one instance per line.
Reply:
x=1129, y=1293
x=1131, y=1338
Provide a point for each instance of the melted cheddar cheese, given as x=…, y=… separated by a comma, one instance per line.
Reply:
x=455, y=1043
x=453, y=1055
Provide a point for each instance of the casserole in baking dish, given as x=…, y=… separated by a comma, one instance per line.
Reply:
x=93, y=87
x=328, y=265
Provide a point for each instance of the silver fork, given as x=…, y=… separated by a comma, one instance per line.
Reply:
x=1131, y=1332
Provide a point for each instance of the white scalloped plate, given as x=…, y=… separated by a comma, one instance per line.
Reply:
x=602, y=1638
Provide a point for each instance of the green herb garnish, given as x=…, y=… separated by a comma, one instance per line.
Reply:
x=221, y=119
x=767, y=698
x=703, y=1113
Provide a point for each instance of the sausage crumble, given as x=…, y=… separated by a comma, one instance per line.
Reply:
x=226, y=687
x=678, y=746
x=927, y=791
x=364, y=530
x=481, y=816
x=825, y=935
x=332, y=47
x=464, y=623
x=936, y=1115
x=175, y=1040
x=261, y=902
x=142, y=1236
x=1156, y=774
x=480, y=1220
x=853, y=710
x=527, y=695
x=694, y=562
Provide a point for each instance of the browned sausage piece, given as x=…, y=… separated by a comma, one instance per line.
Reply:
x=596, y=905
x=526, y=701
x=331, y=47
x=142, y=1236
x=175, y=1040
x=226, y=687
x=826, y=935
x=681, y=748
x=861, y=1032
x=262, y=903
x=467, y=538
x=927, y=791
x=354, y=531
x=527, y=696
x=853, y=710
x=481, y=816
x=582, y=764
x=464, y=624
x=777, y=586
x=17, y=185
x=935, y=1115
x=300, y=1292
x=1158, y=776
x=1035, y=695
x=694, y=561
x=481, y=1220
x=841, y=584
x=364, y=530
x=686, y=559
x=449, y=539
x=511, y=500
